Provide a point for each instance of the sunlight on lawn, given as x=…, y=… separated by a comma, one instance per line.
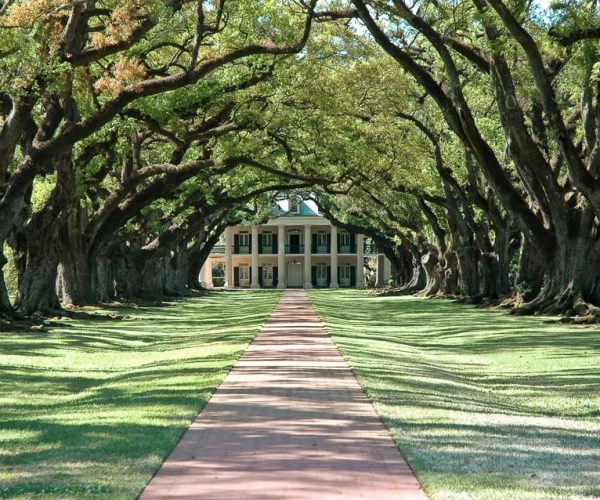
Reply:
x=482, y=404
x=91, y=408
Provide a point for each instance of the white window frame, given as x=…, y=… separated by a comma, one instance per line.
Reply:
x=321, y=271
x=321, y=274
x=267, y=272
x=345, y=276
x=267, y=239
x=244, y=239
x=244, y=273
x=344, y=238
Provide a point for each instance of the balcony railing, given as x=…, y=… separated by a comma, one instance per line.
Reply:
x=218, y=249
x=370, y=249
x=268, y=249
x=294, y=249
x=241, y=249
x=347, y=249
x=320, y=249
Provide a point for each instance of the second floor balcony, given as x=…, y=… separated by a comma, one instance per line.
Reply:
x=242, y=249
x=294, y=249
x=347, y=248
x=321, y=249
x=269, y=246
x=267, y=249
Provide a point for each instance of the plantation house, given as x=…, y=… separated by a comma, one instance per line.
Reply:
x=298, y=248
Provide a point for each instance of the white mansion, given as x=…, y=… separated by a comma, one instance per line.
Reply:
x=295, y=248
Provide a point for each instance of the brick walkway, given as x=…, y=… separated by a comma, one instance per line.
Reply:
x=289, y=421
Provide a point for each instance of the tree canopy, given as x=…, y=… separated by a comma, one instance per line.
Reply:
x=462, y=137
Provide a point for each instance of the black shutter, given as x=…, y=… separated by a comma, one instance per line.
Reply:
x=339, y=281
x=313, y=271
x=260, y=243
x=328, y=275
x=250, y=274
x=236, y=276
x=314, y=243
x=353, y=276
x=275, y=248
x=250, y=248
x=260, y=276
x=329, y=243
x=275, y=276
x=352, y=243
x=236, y=243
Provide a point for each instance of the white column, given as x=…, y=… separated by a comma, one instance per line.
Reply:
x=280, y=256
x=254, y=249
x=387, y=269
x=379, y=277
x=307, y=257
x=206, y=273
x=334, y=258
x=360, y=261
x=228, y=258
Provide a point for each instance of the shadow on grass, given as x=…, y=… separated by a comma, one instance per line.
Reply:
x=91, y=409
x=482, y=404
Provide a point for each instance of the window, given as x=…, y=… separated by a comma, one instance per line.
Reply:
x=345, y=272
x=322, y=238
x=243, y=243
x=268, y=272
x=322, y=275
x=344, y=239
x=244, y=239
x=294, y=204
x=244, y=273
x=267, y=239
x=345, y=275
x=321, y=271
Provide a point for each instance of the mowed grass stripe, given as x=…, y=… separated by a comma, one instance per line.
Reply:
x=482, y=404
x=91, y=408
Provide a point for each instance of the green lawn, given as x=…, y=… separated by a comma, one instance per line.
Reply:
x=91, y=408
x=482, y=404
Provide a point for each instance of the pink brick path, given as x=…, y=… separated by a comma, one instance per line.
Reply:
x=288, y=422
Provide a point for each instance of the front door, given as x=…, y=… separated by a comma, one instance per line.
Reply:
x=294, y=274
x=345, y=275
x=322, y=275
x=267, y=275
x=244, y=275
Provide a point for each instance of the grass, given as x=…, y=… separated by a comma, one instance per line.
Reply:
x=92, y=408
x=481, y=404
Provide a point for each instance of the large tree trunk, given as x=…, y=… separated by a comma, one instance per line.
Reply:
x=434, y=271
x=450, y=280
x=194, y=266
x=75, y=282
x=468, y=270
x=418, y=278
x=37, y=278
x=572, y=284
x=102, y=281
x=531, y=272
x=37, y=287
x=176, y=273
x=6, y=310
x=490, y=275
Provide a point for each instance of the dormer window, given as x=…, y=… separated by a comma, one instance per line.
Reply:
x=295, y=204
